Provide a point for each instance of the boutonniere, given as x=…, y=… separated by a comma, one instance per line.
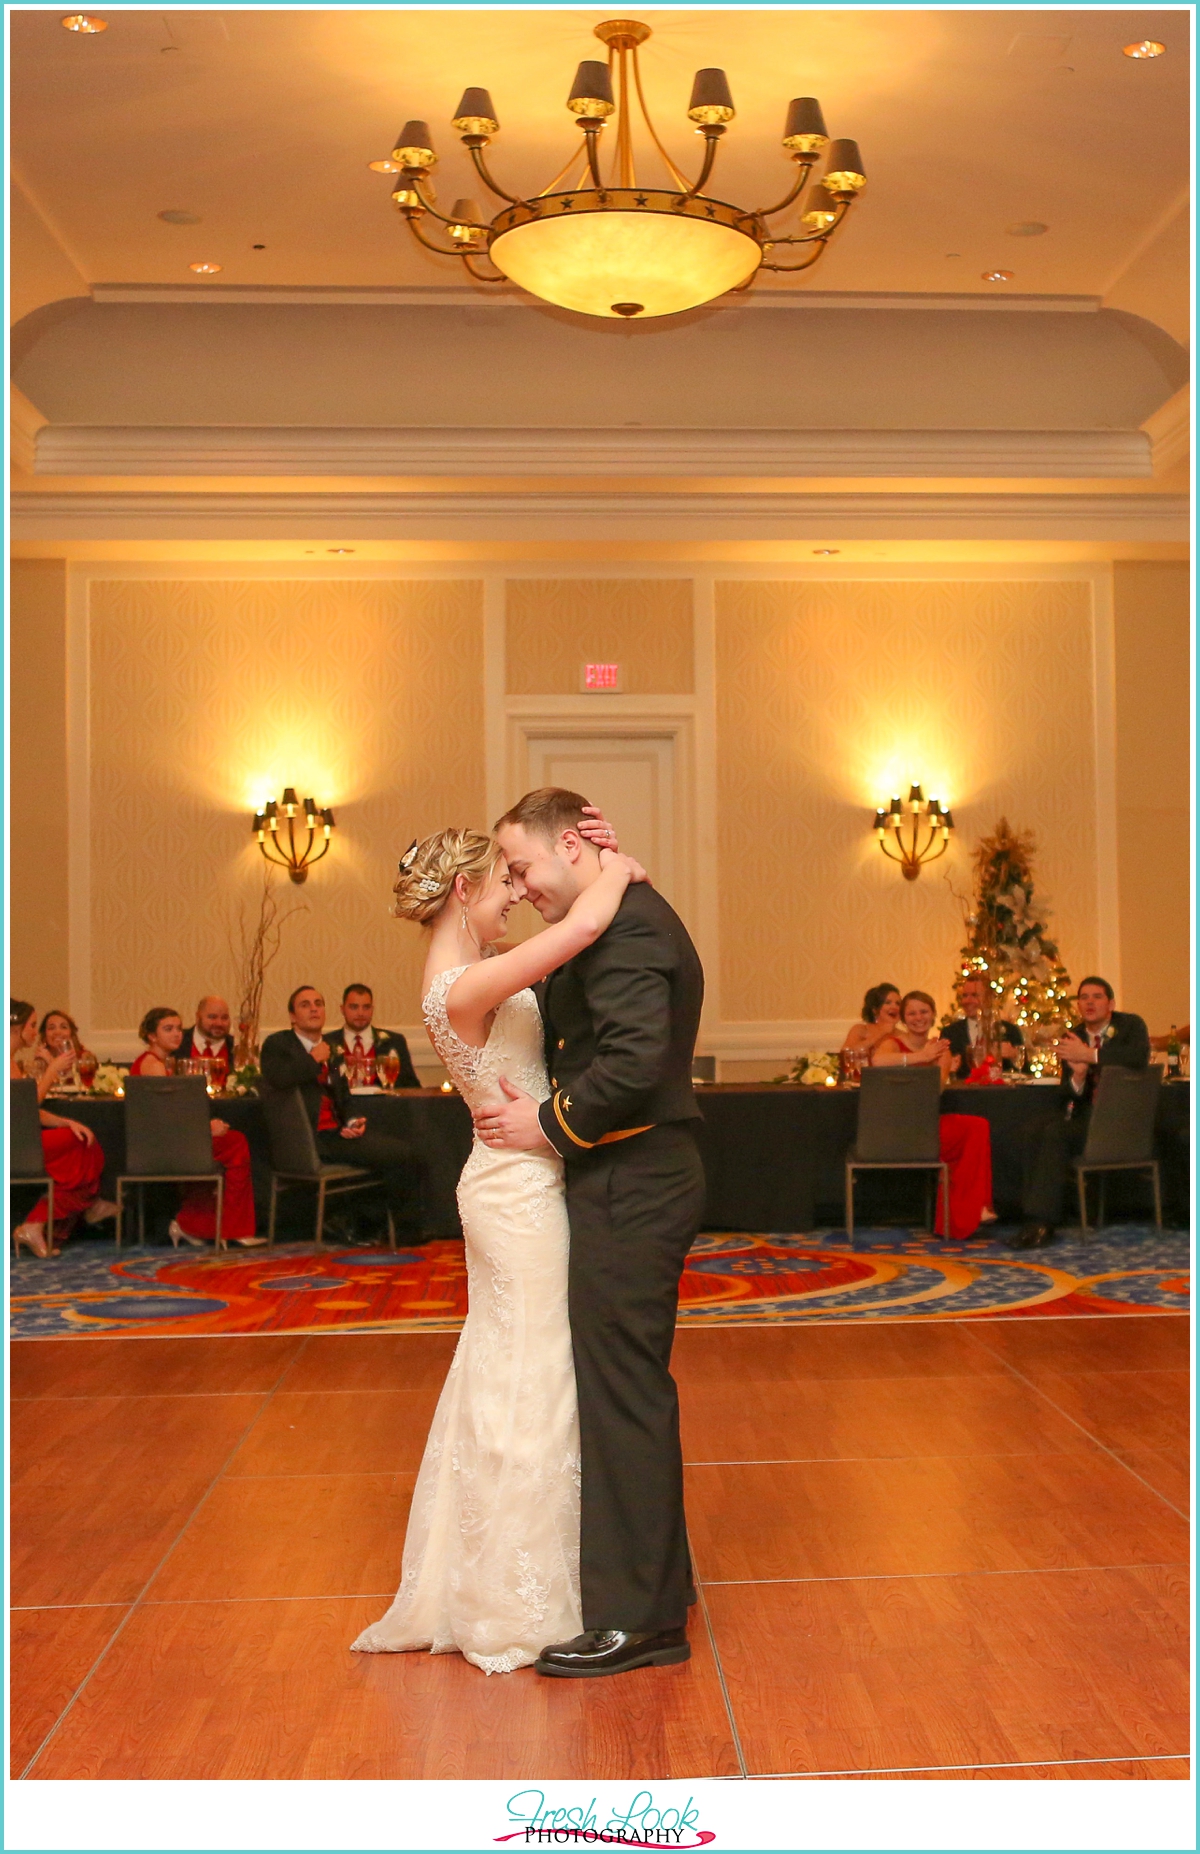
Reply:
x=1111, y=1031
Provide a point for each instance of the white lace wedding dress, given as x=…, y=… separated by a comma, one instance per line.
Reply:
x=491, y=1558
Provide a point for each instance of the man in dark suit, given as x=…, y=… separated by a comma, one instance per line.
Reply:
x=965, y=1034
x=621, y=1022
x=1101, y=1037
x=360, y=1037
x=300, y=1058
x=209, y=1035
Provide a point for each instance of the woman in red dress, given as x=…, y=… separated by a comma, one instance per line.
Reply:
x=161, y=1030
x=965, y=1140
x=71, y=1152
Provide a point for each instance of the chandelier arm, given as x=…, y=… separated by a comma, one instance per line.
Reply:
x=310, y=860
x=278, y=861
x=430, y=207
x=481, y=168
x=562, y=173
x=791, y=269
x=479, y=275
x=812, y=238
x=625, y=167
x=418, y=234
x=710, y=155
x=679, y=179
x=768, y=212
x=888, y=853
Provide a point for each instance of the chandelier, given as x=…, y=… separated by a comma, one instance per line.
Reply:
x=920, y=838
x=598, y=242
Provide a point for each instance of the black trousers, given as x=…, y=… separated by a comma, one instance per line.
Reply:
x=398, y=1166
x=634, y=1209
x=1046, y=1164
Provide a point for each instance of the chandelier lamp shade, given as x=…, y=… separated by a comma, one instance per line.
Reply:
x=598, y=241
x=289, y=843
x=917, y=831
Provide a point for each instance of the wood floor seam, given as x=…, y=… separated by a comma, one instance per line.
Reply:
x=716, y=1655
x=1032, y=1763
x=124, y=1622
x=1031, y=1384
x=889, y=1577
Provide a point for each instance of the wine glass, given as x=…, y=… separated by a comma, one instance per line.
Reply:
x=389, y=1064
x=87, y=1066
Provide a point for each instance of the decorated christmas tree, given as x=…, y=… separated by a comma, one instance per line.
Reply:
x=1009, y=942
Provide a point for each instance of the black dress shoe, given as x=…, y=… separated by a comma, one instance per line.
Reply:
x=612, y=1651
x=1033, y=1236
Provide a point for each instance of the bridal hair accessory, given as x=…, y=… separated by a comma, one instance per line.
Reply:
x=429, y=885
x=409, y=857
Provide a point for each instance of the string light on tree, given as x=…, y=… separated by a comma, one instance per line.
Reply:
x=1009, y=944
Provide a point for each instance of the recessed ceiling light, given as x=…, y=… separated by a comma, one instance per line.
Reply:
x=953, y=254
x=84, y=22
x=205, y=270
x=339, y=550
x=175, y=215
x=827, y=550
x=1026, y=228
x=258, y=247
x=1144, y=48
x=386, y=166
x=997, y=276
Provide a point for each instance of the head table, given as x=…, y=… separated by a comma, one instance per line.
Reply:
x=774, y=1155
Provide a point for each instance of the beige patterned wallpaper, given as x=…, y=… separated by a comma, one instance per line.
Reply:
x=207, y=697
x=830, y=698
x=554, y=626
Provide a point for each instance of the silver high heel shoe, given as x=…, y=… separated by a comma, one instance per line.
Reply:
x=177, y=1236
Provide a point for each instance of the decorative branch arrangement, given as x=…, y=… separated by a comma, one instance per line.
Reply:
x=255, y=947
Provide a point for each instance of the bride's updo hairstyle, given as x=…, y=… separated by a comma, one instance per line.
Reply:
x=428, y=871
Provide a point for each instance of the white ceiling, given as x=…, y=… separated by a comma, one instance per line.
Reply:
x=262, y=123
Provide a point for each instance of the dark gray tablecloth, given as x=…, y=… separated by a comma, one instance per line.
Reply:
x=773, y=1156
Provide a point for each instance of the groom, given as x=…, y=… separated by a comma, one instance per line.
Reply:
x=620, y=1022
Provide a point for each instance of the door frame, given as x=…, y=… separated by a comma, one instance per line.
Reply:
x=604, y=717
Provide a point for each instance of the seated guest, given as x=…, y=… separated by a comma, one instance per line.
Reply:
x=161, y=1030
x=301, y=1058
x=880, y=1015
x=71, y=1153
x=60, y=1032
x=361, y=1041
x=209, y=1037
x=1101, y=1037
x=965, y=1034
x=964, y=1140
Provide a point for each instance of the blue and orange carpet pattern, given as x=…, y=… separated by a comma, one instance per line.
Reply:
x=729, y=1280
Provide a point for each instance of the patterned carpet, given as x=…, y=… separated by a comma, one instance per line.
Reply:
x=729, y=1280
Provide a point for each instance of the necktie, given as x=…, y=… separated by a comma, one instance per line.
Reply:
x=358, y=1046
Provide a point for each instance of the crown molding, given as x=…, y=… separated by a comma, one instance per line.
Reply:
x=24, y=424
x=590, y=515
x=1169, y=431
x=246, y=450
x=506, y=296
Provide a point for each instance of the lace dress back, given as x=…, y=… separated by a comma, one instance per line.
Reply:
x=491, y=1557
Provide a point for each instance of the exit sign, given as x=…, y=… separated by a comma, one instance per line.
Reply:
x=601, y=678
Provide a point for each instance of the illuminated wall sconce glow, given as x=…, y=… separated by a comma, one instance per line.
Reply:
x=287, y=852
x=918, y=828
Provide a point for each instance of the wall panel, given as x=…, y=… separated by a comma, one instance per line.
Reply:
x=555, y=625
x=209, y=695
x=830, y=697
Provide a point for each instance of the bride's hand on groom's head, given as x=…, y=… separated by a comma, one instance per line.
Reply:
x=595, y=828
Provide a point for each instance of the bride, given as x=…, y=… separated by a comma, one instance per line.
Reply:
x=491, y=1558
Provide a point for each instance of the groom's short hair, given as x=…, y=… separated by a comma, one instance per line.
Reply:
x=546, y=812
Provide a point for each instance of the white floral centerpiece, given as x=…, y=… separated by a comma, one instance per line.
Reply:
x=109, y=1079
x=244, y=1080
x=816, y=1069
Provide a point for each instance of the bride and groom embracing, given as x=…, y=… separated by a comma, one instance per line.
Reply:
x=547, y=1519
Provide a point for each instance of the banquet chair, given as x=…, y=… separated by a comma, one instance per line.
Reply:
x=898, y=1131
x=26, y=1164
x=295, y=1160
x=1120, y=1135
x=168, y=1140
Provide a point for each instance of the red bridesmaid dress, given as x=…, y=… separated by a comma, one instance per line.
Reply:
x=965, y=1145
x=197, y=1213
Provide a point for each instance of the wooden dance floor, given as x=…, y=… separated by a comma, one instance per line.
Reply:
x=948, y=1549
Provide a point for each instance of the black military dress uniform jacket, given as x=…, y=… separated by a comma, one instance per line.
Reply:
x=621, y=1021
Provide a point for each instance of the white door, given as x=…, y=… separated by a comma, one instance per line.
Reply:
x=632, y=777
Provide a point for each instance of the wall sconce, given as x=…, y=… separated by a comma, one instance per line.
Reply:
x=915, y=827
x=295, y=857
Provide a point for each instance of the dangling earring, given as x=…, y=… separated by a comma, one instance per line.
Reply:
x=466, y=925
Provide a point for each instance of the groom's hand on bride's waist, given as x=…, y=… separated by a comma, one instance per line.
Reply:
x=514, y=1126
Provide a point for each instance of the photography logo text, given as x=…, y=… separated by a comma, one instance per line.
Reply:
x=640, y=1823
